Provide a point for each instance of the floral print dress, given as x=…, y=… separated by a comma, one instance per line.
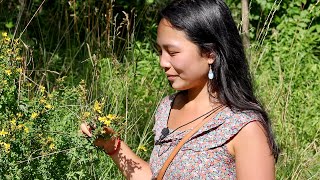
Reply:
x=205, y=154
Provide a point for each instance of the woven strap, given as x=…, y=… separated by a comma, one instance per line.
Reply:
x=180, y=144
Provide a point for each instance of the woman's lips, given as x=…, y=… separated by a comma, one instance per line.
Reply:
x=171, y=77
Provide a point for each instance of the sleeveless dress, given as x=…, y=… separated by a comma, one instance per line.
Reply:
x=205, y=154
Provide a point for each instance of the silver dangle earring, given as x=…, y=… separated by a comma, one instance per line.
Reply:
x=210, y=74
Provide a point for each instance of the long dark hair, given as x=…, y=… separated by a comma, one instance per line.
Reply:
x=209, y=24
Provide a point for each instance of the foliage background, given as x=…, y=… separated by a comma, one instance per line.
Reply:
x=60, y=61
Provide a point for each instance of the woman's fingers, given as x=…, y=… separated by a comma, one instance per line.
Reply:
x=85, y=129
x=108, y=130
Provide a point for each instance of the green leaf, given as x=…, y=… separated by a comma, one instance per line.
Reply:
x=9, y=25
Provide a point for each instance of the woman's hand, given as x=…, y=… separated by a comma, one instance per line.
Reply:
x=131, y=166
x=107, y=145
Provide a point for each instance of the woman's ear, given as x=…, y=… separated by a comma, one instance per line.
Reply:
x=211, y=57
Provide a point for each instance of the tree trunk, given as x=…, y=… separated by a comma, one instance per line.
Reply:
x=245, y=24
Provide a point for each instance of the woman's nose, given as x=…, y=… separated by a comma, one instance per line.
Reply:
x=164, y=61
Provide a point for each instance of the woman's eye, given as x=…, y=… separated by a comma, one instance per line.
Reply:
x=173, y=53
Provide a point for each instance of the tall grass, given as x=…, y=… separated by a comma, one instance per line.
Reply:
x=286, y=68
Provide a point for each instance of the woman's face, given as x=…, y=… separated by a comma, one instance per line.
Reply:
x=181, y=59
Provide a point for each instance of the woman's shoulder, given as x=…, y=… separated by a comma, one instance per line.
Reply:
x=234, y=116
x=233, y=121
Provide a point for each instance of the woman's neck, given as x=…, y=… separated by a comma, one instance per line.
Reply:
x=197, y=96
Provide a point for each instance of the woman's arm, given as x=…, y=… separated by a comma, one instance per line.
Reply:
x=254, y=159
x=131, y=166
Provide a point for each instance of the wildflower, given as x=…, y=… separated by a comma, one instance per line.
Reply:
x=8, y=72
x=48, y=106
x=50, y=96
x=4, y=34
x=42, y=88
x=3, y=133
x=18, y=58
x=86, y=114
x=61, y=80
x=26, y=129
x=52, y=146
x=107, y=123
x=6, y=147
x=29, y=84
x=50, y=139
x=97, y=107
x=19, y=115
x=142, y=147
x=19, y=70
x=104, y=120
x=13, y=121
x=42, y=100
x=111, y=116
x=20, y=126
x=34, y=115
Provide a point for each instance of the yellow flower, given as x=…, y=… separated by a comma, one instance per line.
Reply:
x=102, y=119
x=19, y=70
x=34, y=115
x=29, y=84
x=107, y=123
x=50, y=96
x=7, y=147
x=26, y=129
x=3, y=133
x=4, y=34
x=13, y=121
x=111, y=116
x=19, y=115
x=52, y=146
x=50, y=139
x=48, y=106
x=18, y=58
x=42, y=100
x=20, y=126
x=42, y=88
x=142, y=147
x=86, y=114
x=8, y=72
x=97, y=107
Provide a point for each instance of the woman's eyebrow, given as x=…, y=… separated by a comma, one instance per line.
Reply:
x=166, y=46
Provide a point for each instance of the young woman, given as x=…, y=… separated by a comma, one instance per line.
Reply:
x=202, y=55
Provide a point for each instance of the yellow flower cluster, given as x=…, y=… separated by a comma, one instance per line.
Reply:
x=105, y=120
x=48, y=106
x=86, y=114
x=34, y=115
x=42, y=88
x=52, y=146
x=6, y=146
x=8, y=72
x=19, y=70
x=5, y=36
x=3, y=132
x=97, y=107
x=142, y=147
